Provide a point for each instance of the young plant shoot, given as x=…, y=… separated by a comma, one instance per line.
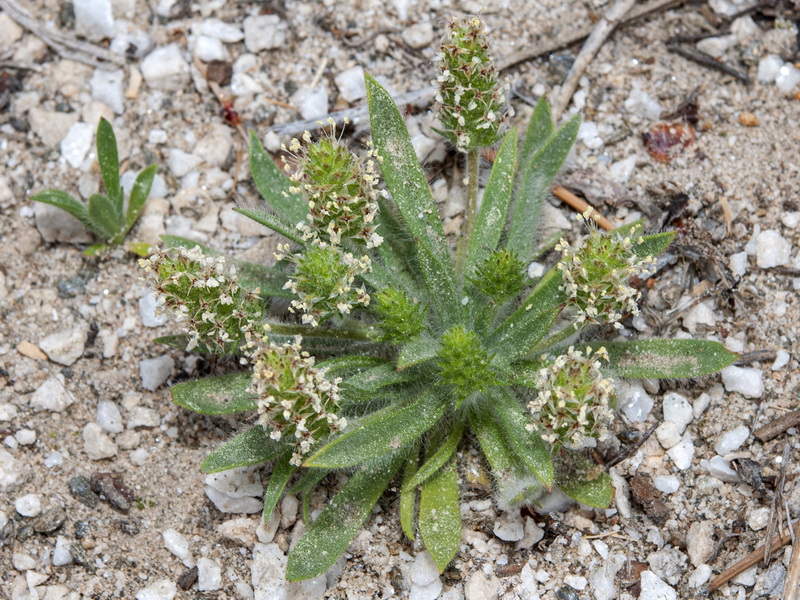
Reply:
x=390, y=350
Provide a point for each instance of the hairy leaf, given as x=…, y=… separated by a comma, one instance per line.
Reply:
x=220, y=395
x=274, y=186
x=539, y=130
x=408, y=495
x=598, y=492
x=440, y=515
x=108, y=158
x=518, y=335
x=66, y=203
x=339, y=522
x=252, y=447
x=139, y=194
x=417, y=351
x=380, y=433
x=371, y=380
x=441, y=455
x=104, y=217
x=281, y=473
x=273, y=222
x=665, y=358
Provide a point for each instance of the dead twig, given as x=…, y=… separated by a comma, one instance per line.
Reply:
x=756, y=356
x=64, y=44
x=589, y=50
x=749, y=560
x=777, y=506
x=707, y=60
x=580, y=205
x=777, y=426
x=633, y=448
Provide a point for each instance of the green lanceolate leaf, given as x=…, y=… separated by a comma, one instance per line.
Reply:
x=536, y=177
x=274, y=186
x=417, y=351
x=344, y=364
x=66, y=203
x=527, y=445
x=598, y=492
x=373, y=379
x=518, y=335
x=412, y=195
x=408, y=494
x=539, y=130
x=653, y=245
x=106, y=221
x=221, y=395
x=665, y=358
x=438, y=458
x=108, y=158
x=139, y=194
x=281, y=474
x=440, y=515
x=493, y=213
x=328, y=537
x=252, y=447
x=309, y=481
x=547, y=294
x=95, y=250
x=273, y=222
x=380, y=433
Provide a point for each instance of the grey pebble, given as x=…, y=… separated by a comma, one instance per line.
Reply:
x=50, y=520
x=24, y=532
x=188, y=578
x=567, y=593
x=80, y=557
x=81, y=488
x=129, y=526
x=83, y=529
x=112, y=489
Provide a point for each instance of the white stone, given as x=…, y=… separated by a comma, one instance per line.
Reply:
x=155, y=371
x=431, y=591
x=180, y=163
x=772, y=250
x=589, y=134
x=423, y=571
x=77, y=143
x=107, y=87
x=209, y=575
x=747, y=381
x=244, y=85
x=163, y=589
x=758, y=518
x=267, y=572
x=509, y=527
x=28, y=505
x=240, y=482
x=177, y=545
x=781, y=360
x=667, y=484
x=668, y=435
x=215, y=147
x=622, y=170
x=576, y=582
x=148, y=311
x=94, y=19
x=351, y=84
x=634, y=401
x=53, y=460
x=738, y=263
x=700, y=542
x=228, y=504
x=533, y=535
x=165, y=68
x=700, y=314
x=208, y=48
x=289, y=506
x=139, y=456
x=700, y=405
x=721, y=469
x=747, y=577
x=10, y=32
x=241, y=530
x=141, y=416
x=682, y=453
x=769, y=68
x=603, y=582
x=716, y=46
x=641, y=103
x=97, y=444
x=312, y=103
x=22, y=561
x=788, y=77
x=480, y=587
x=55, y=225
x=654, y=588
x=419, y=35
x=791, y=219
x=25, y=437
x=8, y=412
x=699, y=576
x=109, y=417
x=61, y=553
x=65, y=346
x=264, y=32
x=51, y=395
x=226, y=32
x=732, y=440
x=677, y=410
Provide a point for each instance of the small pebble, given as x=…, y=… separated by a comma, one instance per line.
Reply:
x=738, y=263
x=53, y=460
x=155, y=371
x=758, y=518
x=50, y=520
x=180, y=163
x=148, y=306
x=109, y=417
x=480, y=587
x=94, y=19
x=682, y=453
x=721, y=469
x=226, y=32
x=748, y=119
x=423, y=570
x=230, y=504
x=667, y=484
x=654, y=588
x=772, y=250
x=61, y=553
x=509, y=527
x=112, y=489
x=162, y=589
x=81, y=488
x=747, y=381
x=25, y=437
x=165, y=68
x=668, y=434
x=781, y=360
x=788, y=77
x=700, y=542
x=634, y=401
x=769, y=68
x=419, y=35
x=28, y=505
x=96, y=444
x=576, y=582
x=264, y=32
x=141, y=416
x=22, y=561
x=311, y=103
x=74, y=148
x=700, y=576
x=747, y=577
x=209, y=575
x=52, y=395
x=700, y=405
x=350, y=84
x=732, y=440
x=66, y=346
x=188, y=578
x=107, y=87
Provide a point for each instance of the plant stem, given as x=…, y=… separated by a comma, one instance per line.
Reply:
x=473, y=165
x=358, y=333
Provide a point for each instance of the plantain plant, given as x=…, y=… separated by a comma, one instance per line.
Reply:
x=107, y=215
x=375, y=348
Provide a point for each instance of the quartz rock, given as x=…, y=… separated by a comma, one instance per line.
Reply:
x=177, y=545
x=12, y=472
x=225, y=32
x=509, y=527
x=682, y=453
x=76, y=144
x=747, y=381
x=677, y=410
x=423, y=571
x=264, y=32
x=351, y=84
x=419, y=35
x=480, y=587
x=109, y=417
x=165, y=68
x=700, y=542
x=97, y=444
x=107, y=88
x=772, y=249
x=28, y=505
x=65, y=346
x=94, y=19
x=209, y=575
x=162, y=589
x=719, y=468
x=155, y=371
x=61, y=553
x=732, y=440
x=51, y=395
x=654, y=588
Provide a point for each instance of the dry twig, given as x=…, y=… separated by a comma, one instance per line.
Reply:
x=777, y=426
x=599, y=34
x=580, y=205
x=64, y=44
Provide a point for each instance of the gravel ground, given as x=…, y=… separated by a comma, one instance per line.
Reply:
x=100, y=490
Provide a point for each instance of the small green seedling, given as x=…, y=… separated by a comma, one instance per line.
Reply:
x=389, y=351
x=106, y=215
